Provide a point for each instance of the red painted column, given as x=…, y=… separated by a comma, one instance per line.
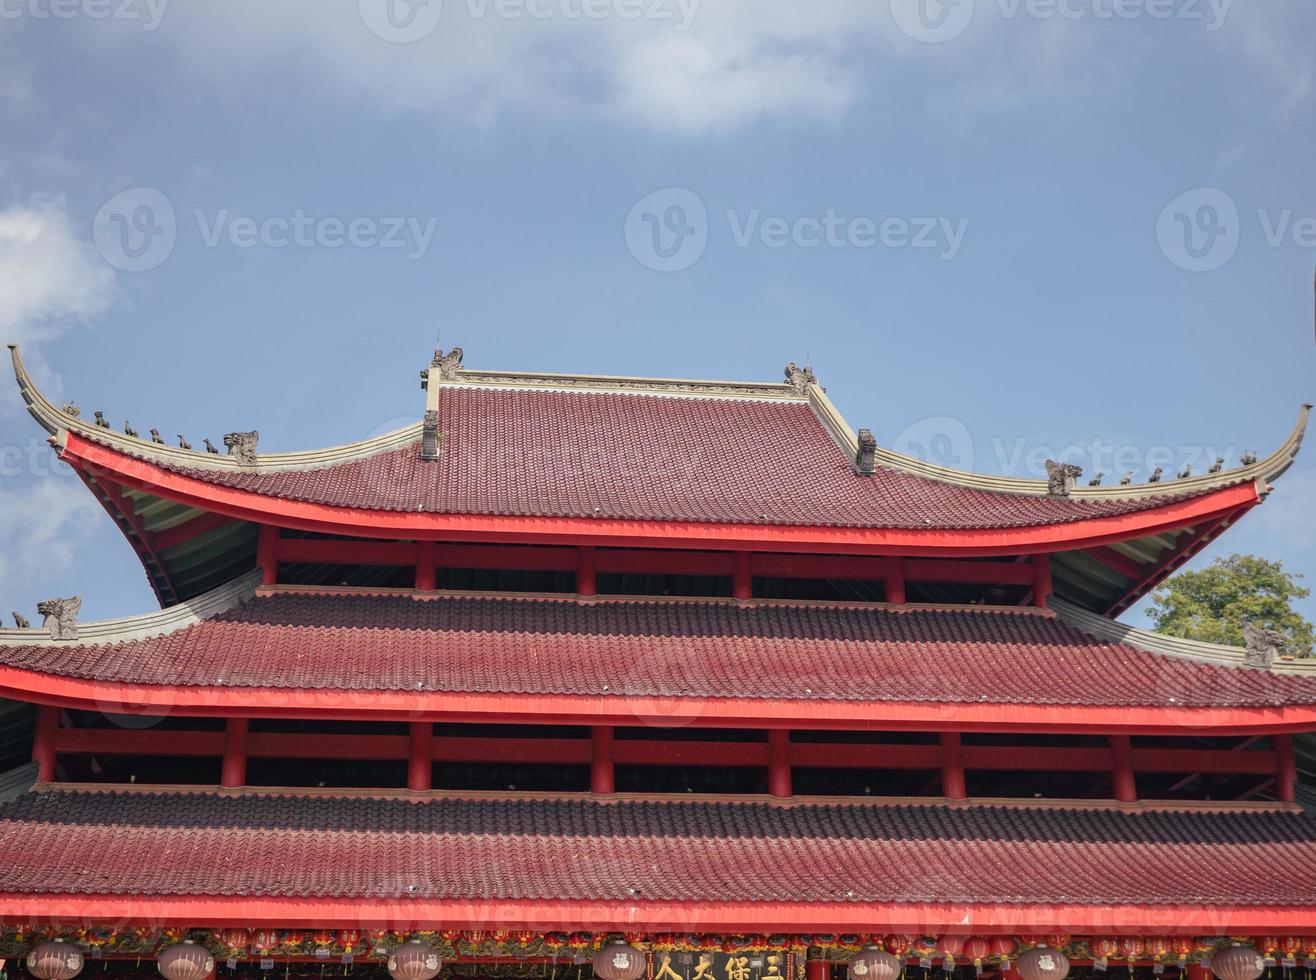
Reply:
x=894, y=587
x=1121, y=750
x=1196, y=971
x=1041, y=580
x=779, y=763
x=420, y=760
x=43, y=743
x=233, y=771
x=267, y=555
x=602, y=772
x=953, y=785
x=587, y=579
x=1286, y=774
x=817, y=970
x=742, y=583
x=426, y=578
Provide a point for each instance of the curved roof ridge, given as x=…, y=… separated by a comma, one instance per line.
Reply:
x=1262, y=471
x=624, y=384
x=145, y=625
x=1161, y=643
x=56, y=421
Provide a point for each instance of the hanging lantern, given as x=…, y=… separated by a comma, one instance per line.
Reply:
x=1158, y=947
x=1002, y=947
x=349, y=939
x=1182, y=947
x=976, y=949
x=1043, y=963
x=1131, y=948
x=949, y=947
x=524, y=937
x=56, y=960
x=1057, y=940
x=185, y=961
x=1103, y=947
x=619, y=961
x=872, y=963
x=898, y=945
x=1291, y=946
x=235, y=941
x=1266, y=945
x=1238, y=963
x=414, y=961
x=265, y=940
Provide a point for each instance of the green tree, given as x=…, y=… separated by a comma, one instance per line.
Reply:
x=1216, y=603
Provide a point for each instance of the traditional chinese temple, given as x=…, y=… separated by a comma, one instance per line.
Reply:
x=672, y=679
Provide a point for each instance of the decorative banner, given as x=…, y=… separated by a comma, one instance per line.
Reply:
x=770, y=964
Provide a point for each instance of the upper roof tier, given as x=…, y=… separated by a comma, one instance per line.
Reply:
x=559, y=446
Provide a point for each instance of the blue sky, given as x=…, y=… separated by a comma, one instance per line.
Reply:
x=998, y=228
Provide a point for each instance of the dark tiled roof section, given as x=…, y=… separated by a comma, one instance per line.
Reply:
x=204, y=844
x=642, y=457
x=661, y=648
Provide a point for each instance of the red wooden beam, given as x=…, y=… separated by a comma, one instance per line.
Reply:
x=1117, y=562
x=1286, y=769
x=1153, y=575
x=121, y=511
x=194, y=527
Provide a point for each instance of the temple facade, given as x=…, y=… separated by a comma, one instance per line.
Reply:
x=660, y=678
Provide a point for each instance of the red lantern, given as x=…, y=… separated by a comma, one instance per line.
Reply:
x=1002, y=946
x=524, y=938
x=1131, y=947
x=579, y=940
x=56, y=960
x=619, y=961
x=349, y=939
x=322, y=938
x=1238, y=963
x=977, y=949
x=948, y=947
x=1057, y=940
x=1266, y=945
x=1103, y=947
x=500, y=936
x=1158, y=946
x=1043, y=963
x=1182, y=946
x=235, y=941
x=265, y=940
x=872, y=963
x=898, y=945
x=185, y=961
x=1291, y=947
x=414, y=961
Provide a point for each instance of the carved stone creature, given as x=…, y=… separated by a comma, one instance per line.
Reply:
x=71, y=408
x=21, y=621
x=449, y=364
x=157, y=438
x=210, y=447
x=800, y=378
x=100, y=420
x=1156, y=476
x=1263, y=645
x=242, y=446
x=429, y=435
x=183, y=443
x=1248, y=458
x=61, y=617
x=1186, y=472
x=1060, y=477
x=128, y=429
x=1096, y=480
x=1127, y=478
x=1218, y=465
x=865, y=460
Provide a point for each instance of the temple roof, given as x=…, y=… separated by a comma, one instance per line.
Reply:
x=862, y=859
x=383, y=651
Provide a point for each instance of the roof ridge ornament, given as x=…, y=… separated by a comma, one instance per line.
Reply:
x=20, y=621
x=1060, y=477
x=429, y=435
x=61, y=617
x=800, y=378
x=1263, y=645
x=865, y=459
x=242, y=446
x=449, y=364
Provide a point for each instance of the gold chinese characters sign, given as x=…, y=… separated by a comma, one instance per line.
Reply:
x=772, y=964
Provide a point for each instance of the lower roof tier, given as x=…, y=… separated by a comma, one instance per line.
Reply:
x=762, y=663
x=717, y=863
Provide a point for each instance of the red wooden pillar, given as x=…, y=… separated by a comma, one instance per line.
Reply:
x=1041, y=580
x=779, y=763
x=742, y=583
x=894, y=587
x=233, y=770
x=1121, y=750
x=1196, y=971
x=602, y=772
x=953, y=785
x=43, y=743
x=420, y=759
x=426, y=563
x=817, y=970
x=267, y=554
x=587, y=578
x=1286, y=773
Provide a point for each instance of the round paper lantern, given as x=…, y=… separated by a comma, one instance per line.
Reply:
x=619, y=961
x=414, y=961
x=1103, y=947
x=898, y=945
x=949, y=947
x=265, y=940
x=1238, y=963
x=235, y=941
x=1182, y=947
x=1266, y=945
x=186, y=961
x=1291, y=946
x=1131, y=947
x=55, y=960
x=1002, y=946
x=871, y=963
x=1158, y=946
x=1043, y=963
x=976, y=949
x=349, y=939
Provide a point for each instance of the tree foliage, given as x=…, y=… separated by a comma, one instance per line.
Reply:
x=1216, y=603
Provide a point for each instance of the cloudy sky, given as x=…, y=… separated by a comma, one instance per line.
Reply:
x=998, y=228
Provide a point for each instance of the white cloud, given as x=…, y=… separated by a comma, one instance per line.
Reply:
x=50, y=277
x=43, y=526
